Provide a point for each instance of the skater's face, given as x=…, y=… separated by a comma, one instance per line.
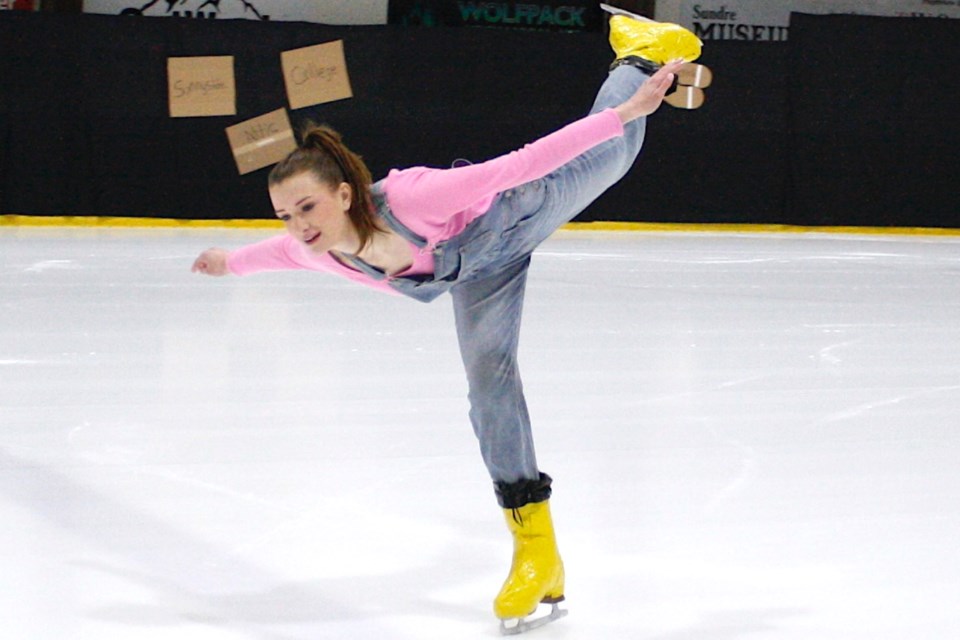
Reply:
x=315, y=213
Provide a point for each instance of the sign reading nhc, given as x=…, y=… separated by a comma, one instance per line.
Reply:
x=317, y=74
x=261, y=141
x=201, y=86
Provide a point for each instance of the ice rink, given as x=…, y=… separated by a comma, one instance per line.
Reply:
x=752, y=436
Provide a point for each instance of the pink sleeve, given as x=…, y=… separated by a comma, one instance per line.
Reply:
x=282, y=252
x=272, y=254
x=438, y=194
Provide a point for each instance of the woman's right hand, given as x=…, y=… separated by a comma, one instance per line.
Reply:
x=648, y=97
x=212, y=262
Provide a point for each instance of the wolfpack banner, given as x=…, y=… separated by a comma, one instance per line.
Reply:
x=555, y=15
x=770, y=20
x=320, y=11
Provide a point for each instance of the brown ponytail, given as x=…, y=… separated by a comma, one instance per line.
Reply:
x=322, y=153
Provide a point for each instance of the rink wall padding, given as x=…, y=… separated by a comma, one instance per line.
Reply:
x=874, y=120
x=848, y=123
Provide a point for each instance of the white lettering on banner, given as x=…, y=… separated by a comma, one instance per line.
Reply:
x=770, y=20
x=321, y=11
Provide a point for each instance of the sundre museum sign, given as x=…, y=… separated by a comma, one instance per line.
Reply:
x=770, y=20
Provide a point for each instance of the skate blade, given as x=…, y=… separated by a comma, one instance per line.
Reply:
x=523, y=625
x=617, y=11
x=685, y=98
x=692, y=74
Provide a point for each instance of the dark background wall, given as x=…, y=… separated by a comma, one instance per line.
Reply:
x=874, y=121
x=853, y=121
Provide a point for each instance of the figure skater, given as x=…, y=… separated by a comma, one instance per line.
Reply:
x=470, y=231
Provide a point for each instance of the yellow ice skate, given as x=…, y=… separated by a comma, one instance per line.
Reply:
x=657, y=42
x=648, y=45
x=536, y=575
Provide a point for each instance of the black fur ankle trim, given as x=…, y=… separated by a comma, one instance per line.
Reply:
x=643, y=64
x=524, y=492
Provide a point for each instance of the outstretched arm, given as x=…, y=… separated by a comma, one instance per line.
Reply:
x=439, y=194
x=273, y=254
x=648, y=97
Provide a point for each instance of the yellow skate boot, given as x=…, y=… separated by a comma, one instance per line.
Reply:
x=656, y=42
x=648, y=45
x=536, y=575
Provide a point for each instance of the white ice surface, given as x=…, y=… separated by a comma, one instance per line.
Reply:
x=752, y=437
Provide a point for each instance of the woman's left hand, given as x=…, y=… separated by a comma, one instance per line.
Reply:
x=212, y=262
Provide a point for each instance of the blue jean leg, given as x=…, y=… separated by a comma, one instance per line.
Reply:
x=571, y=188
x=488, y=312
x=488, y=306
x=581, y=181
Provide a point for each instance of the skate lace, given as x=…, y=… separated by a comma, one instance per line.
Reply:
x=517, y=516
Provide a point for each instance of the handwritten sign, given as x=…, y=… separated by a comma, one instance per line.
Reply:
x=261, y=141
x=316, y=74
x=201, y=86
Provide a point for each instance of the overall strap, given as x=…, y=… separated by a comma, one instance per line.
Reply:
x=383, y=210
x=387, y=215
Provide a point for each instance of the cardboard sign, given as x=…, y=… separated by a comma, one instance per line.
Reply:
x=316, y=74
x=261, y=141
x=201, y=86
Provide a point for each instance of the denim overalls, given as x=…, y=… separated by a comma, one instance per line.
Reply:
x=485, y=268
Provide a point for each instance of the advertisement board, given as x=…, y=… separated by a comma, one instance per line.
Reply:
x=319, y=11
x=770, y=20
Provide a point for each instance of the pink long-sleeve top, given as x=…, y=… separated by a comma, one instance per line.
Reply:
x=438, y=204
